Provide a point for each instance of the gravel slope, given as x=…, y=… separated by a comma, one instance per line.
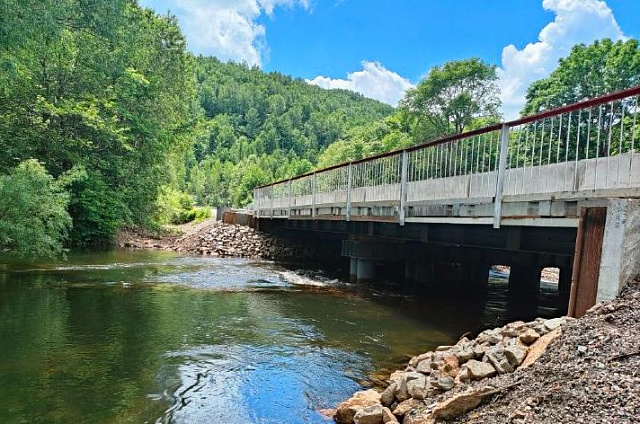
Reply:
x=591, y=374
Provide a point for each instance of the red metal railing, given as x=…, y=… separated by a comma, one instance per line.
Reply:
x=571, y=148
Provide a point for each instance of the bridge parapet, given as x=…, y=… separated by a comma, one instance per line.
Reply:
x=547, y=161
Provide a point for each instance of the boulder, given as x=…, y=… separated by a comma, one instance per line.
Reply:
x=464, y=354
x=348, y=409
x=388, y=417
x=424, y=367
x=552, y=324
x=396, y=376
x=463, y=342
x=478, y=370
x=496, y=357
x=389, y=394
x=529, y=336
x=417, y=359
x=490, y=336
x=450, y=365
x=479, y=350
x=369, y=415
x=515, y=354
x=417, y=387
x=458, y=405
x=444, y=383
x=406, y=406
x=540, y=347
x=402, y=392
x=463, y=375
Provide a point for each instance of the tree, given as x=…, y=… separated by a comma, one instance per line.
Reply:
x=34, y=221
x=107, y=86
x=589, y=71
x=453, y=95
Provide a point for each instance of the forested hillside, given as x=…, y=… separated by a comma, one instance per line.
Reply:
x=264, y=126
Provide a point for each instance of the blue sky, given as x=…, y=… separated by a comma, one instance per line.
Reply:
x=382, y=47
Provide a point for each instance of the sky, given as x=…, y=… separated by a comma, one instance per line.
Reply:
x=381, y=48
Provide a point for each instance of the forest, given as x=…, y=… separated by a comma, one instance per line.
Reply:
x=107, y=121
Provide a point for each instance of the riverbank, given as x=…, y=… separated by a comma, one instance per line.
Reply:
x=214, y=238
x=545, y=371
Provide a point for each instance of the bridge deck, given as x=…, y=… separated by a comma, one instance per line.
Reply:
x=537, y=170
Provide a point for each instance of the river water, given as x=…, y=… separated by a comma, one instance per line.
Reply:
x=145, y=337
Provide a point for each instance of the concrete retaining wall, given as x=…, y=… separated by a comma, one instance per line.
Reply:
x=620, y=261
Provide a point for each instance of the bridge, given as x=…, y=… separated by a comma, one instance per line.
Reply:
x=559, y=188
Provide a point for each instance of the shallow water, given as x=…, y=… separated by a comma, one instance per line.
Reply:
x=133, y=336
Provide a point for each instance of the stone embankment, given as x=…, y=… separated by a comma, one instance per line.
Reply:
x=498, y=351
x=546, y=371
x=216, y=239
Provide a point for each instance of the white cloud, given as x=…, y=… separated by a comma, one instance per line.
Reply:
x=576, y=21
x=227, y=29
x=374, y=81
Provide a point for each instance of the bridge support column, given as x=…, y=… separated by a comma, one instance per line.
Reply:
x=424, y=272
x=524, y=287
x=409, y=271
x=366, y=270
x=564, y=288
x=353, y=270
x=477, y=276
x=524, y=282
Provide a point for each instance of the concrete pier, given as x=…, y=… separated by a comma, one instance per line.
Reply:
x=524, y=281
x=366, y=270
x=353, y=270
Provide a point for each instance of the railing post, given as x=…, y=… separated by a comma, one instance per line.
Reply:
x=313, y=198
x=349, y=188
x=403, y=187
x=502, y=168
x=272, y=196
x=256, y=202
x=290, y=201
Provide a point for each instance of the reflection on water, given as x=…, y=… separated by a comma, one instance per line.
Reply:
x=136, y=337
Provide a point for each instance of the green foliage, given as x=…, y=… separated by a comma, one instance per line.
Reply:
x=97, y=211
x=201, y=213
x=454, y=97
x=263, y=126
x=173, y=206
x=393, y=133
x=34, y=221
x=107, y=86
x=589, y=71
x=455, y=94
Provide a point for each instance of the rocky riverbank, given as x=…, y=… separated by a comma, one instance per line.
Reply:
x=216, y=239
x=545, y=371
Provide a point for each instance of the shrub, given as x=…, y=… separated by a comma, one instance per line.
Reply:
x=34, y=221
x=202, y=214
x=174, y=206
x=97, y=211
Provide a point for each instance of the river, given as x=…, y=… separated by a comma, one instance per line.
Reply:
x=145, y=337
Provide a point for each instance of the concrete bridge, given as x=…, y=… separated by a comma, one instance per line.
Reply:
x=557, y=189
